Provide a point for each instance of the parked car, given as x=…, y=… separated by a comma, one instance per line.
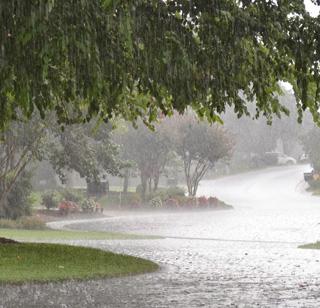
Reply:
x=304, y=158
x=308, y=176
x=277, y=158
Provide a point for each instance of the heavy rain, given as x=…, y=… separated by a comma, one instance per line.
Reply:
x=159, y=153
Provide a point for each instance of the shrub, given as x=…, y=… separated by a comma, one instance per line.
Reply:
x=30, y=223
x=18, y=202
x=35, y=198
x=190, y=202
x=8, y=224
x=156, y=202
x=160, y=193
x=314, y=184
x=202, y=202
x=88, y=206
x=66, y=207
x=182, y=200
x=139, y=189
x=99, y=207
x=132, y=199
x=213, y=201
x=172, y=203
x=51, y=199
x=224, y=205
x=72, y=195
x=175, y=191
x=167, y=193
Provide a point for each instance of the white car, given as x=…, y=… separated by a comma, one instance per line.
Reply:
x=281, y=159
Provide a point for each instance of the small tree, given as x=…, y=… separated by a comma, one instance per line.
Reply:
x=86, y=149
x=21, y=143
x=200, y=146
x=149, y=151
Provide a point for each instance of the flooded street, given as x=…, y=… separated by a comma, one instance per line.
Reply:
x=246, y=257
x=117, y=120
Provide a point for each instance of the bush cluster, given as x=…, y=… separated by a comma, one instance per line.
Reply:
x=169, y=198
x=115, y=198
x=90, y=206
x=18, y=201
x=132, y=200
x=69, y=201
x=314, y=184
x=72, y=195
x=167, y=193
x=66, y=207
x=179, y=200
x=27, y=223
x=51, y=199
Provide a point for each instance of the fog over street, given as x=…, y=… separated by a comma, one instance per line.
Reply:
x=243, y=257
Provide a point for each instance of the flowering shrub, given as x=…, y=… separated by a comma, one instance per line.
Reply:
x=66, y=207
x=132, y=200
x=72, y=195
x=172, y=203
x=88, y=206
x=50, y=199
x=181, y=200
x=99, y=207
x=191, y=202
x=202, y=202
x=213, y=202
x=173, y=192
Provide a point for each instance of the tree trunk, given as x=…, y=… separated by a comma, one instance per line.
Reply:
x=150, y=185
x=143, y=187
x=2, y=207
x=126, y=182
x=3, y=198
x=156, y=182
x=187, y=173
x=189, y=185
x=195, y=189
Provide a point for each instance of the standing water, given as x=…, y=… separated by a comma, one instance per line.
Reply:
x=244, y=257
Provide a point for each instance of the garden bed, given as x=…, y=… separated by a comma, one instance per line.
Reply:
x=164, y=199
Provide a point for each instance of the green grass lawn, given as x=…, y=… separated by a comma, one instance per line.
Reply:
x=311, y=246
x=31, y=262
x=45, y=235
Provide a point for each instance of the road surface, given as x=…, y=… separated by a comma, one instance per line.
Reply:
x=246, y=257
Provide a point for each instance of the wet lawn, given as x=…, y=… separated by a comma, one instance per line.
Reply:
x=47, y=235
x=31, y=262
x=311, y=246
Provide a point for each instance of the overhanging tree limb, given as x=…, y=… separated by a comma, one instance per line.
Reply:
x=124, y=58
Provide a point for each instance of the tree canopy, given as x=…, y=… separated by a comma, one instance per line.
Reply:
x=200, y=147
x=86, y=149
x=149, y=152
x=112, y=58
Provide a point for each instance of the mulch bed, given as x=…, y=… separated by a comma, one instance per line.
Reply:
x=4, y=240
